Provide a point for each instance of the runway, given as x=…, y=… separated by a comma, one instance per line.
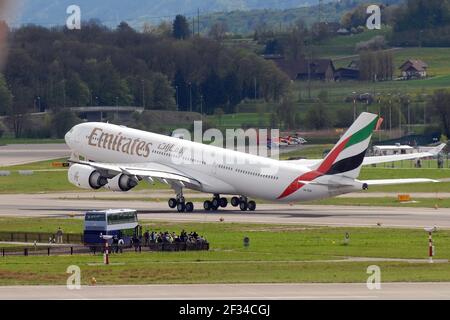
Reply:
x=18, y=154
x=53, y=205
x=389, y=291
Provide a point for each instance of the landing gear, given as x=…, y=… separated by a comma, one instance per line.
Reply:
x=243, y=203
x=189, y=207
x=173, y=203
x=235, y=201
x=180, y=204
x=216, y=203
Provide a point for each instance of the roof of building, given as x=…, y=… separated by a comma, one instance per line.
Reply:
x=300, y=67
x=415, y=64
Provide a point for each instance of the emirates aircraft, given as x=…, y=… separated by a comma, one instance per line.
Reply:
x=118, y=158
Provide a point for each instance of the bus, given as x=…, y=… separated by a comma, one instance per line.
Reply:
x=122, y=223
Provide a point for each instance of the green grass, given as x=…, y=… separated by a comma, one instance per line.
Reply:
x=344, y=46
x=309, y=152
x=279, y=254
x=238, y=120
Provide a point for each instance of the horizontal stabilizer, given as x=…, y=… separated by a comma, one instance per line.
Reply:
x=389, y=182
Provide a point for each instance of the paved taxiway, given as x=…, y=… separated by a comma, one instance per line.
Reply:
x=54, y=205
x=17, y=154
x=388, y=291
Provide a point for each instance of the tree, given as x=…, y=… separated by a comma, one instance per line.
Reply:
x=286, y=112
x=5, y=97
x=440, y=103
x=77, y=91
x=423, y=14
x=62, y=122
x=318, y=117
x=218, y=31
x=181, y=30
x=163, y=93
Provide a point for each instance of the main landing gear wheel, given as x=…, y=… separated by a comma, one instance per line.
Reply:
x=207, y=205
x=189, y=207
x=181, y=207
x=235, y=201
x=216, y=203
x=223, y=202
x=180, y=203
x=252, y=205
x=173, y=203
x=243, y=203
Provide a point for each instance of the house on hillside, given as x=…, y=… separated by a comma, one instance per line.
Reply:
x=343, y=32
x=351, y=72
x=414, y=69
x=304, y=69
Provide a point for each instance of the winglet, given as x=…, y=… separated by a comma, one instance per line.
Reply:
x=438, y=149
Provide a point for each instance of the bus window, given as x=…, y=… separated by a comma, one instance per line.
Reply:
x=93, y=216
x=122, y=217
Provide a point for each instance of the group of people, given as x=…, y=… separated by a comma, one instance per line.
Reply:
x=172, y=237
x=57, y=237
x=153, y=237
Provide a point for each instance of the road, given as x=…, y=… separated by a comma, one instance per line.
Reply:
x=18, y=154
x=53, y=205
x=389, y=291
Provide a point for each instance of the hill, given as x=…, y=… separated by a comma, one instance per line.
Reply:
x=112, y=12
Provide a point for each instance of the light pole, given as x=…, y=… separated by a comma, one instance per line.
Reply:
x=390, y=115
x=143, y=93
x=400, y=114
x=409, y=117
x=176, y=89
x=117, y=107
x=39, y=104
x=201, y=105
x=354, y=106
x=190, y=96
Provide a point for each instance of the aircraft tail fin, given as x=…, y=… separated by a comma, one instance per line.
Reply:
x=347, y=156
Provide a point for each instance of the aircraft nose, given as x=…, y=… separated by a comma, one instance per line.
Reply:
x=70, y=138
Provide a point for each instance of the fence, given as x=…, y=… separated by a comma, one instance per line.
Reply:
x=39, y=237
x=54, y=250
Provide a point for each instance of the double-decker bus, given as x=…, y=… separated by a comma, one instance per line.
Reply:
x=122, y=223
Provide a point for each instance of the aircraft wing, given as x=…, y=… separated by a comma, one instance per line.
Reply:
x=390, y=182
x=148, y=171
x=383, y=159
x=379, y=159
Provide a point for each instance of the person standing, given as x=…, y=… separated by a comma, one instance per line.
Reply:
x=59, y=236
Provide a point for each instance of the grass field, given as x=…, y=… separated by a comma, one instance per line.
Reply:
x=277, y=253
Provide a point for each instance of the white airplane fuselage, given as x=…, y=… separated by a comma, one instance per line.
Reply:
x=231, y=173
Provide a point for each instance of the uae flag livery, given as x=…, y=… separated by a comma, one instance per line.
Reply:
x=347, y=156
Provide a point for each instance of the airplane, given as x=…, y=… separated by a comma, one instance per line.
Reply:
x=118, y=158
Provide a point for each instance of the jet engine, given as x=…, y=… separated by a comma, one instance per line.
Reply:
x=121, y=183
x=86, y=177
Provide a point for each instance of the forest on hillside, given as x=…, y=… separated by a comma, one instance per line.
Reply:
x=102, y=66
